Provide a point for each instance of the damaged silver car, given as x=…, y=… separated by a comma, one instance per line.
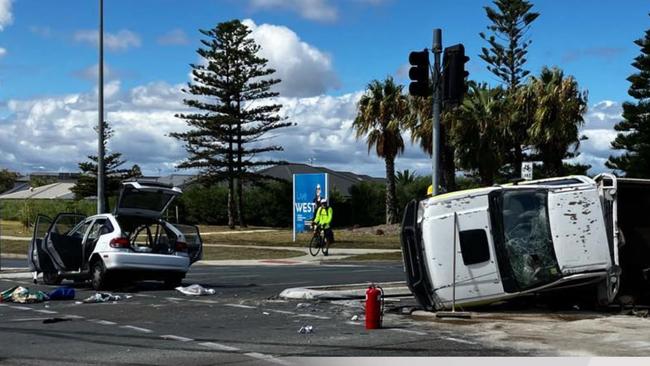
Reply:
x=133, y=243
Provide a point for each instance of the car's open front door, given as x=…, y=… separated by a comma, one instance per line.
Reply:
x=37, y=258
x=63, y=242
x=194, y=241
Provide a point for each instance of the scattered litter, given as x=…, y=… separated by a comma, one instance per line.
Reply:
x=266, y=313
x=102, y=297
x=306, y=329
x=62, y=293
x=195, y=290
x=78, y=302
x=303, y=305
x=22, y=295
x=55, y=320
x=355, y=318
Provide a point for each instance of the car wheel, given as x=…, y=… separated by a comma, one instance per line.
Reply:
x=52, y=278
x=174, y=281
x=98, y=278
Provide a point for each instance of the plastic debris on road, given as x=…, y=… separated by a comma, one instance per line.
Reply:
x=303, y=305
x=62, y=293
x=22, y=295
x=306, y=329
x=195, y=290
x=355, y=318
x=102, y=297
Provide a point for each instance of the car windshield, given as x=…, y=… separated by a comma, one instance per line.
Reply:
x=527, y=238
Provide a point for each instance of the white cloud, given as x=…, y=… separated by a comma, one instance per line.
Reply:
x=304, y=69
x=175, y=37
x=120, y=41
x=3, y=52
x=6, y=17
x=319, y=10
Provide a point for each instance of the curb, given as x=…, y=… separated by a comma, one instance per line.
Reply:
x=343, y=292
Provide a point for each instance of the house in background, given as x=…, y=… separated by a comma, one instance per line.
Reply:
x=341, y=181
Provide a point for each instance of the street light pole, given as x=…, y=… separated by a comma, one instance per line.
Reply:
x=100, y=127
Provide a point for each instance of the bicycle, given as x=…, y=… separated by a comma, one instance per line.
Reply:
x=318, y=242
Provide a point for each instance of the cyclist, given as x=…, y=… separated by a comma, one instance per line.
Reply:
x=324, y=219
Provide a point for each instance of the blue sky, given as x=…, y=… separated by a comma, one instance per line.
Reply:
x=49, y=52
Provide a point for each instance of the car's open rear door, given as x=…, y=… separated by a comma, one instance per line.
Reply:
x=194, y=241
x=64, y=250
x=417, y=274
x=37, y=258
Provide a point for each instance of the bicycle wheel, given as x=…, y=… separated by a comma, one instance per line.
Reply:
x=315, y=245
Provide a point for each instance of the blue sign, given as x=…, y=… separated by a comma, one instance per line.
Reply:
x=308, y=190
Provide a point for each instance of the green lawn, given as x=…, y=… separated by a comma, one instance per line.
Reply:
x=230, y=253
x=395, y=256
x=14, y=228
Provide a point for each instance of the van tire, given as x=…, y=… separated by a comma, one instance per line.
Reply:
x=98, y=278
x=52, y=278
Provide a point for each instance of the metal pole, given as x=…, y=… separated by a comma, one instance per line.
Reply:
x=453, y=287
x=100, y=128
x=437, y=101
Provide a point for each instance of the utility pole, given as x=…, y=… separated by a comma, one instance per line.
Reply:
x=101, y=208
x=437, y=105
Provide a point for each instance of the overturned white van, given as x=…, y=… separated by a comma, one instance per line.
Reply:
x=490, y=244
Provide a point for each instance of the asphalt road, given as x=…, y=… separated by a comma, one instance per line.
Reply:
x=243, y=323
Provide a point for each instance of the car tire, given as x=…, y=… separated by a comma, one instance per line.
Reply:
x=52, y=278
x=98, y=278
x=174, y=281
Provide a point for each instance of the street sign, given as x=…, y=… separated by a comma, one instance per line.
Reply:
x=308, y=190
x=527, y=170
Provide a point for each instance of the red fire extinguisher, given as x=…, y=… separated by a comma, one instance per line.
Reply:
x=374, y=307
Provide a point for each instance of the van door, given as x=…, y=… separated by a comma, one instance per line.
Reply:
x=63, y=241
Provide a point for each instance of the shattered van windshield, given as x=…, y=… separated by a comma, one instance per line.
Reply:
x=527, y=238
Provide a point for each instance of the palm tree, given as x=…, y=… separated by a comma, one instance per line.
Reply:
x=555, y=129
x=381, y=113
x=405, y=177
x=477, y=131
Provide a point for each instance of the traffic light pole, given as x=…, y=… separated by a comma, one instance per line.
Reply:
x=437, y=106
x=101, y=208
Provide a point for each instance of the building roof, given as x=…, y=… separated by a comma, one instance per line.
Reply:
x=47, y=192
x=341, y=181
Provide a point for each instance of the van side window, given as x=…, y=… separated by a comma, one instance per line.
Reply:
x=474, y=246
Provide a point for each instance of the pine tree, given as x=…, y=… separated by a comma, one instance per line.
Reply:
x=634, y=130
x=505, y=58
x=87, y=184
x=232, y=90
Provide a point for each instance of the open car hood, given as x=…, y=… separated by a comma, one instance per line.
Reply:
x=145, y=199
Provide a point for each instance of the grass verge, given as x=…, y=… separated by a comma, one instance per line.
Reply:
x=231, y=253
x=14, y=228
x=14, y=247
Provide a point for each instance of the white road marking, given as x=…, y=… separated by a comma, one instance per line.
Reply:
x=73, y=317
x=206, y=301
x=408, y=331
x=143, y=330
x=268, y=358
x=102, y=322
x=352, y=323
x=46, y=311
x=176, y=338
x=313, y=316
x=141, y=295
x=458, y=340
x=239, y=306
x=4, y=305
x=281, y=312
x=219, y=347
x=20, y=307
x=174, y=299
x=27, y=319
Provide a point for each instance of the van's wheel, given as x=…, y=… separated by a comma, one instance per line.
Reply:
x=98, y=278
x=52, y=278
x=174, y=281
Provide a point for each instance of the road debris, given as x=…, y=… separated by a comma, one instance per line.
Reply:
x=303, y=305
x=355, y=318
x=62, y=293
x=306, y=329
x=22, y=295
x=55, y=320
x=102, y=297
x=195, y=290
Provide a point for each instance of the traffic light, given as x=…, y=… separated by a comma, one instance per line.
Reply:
x=454, y=75
x=419, y=73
